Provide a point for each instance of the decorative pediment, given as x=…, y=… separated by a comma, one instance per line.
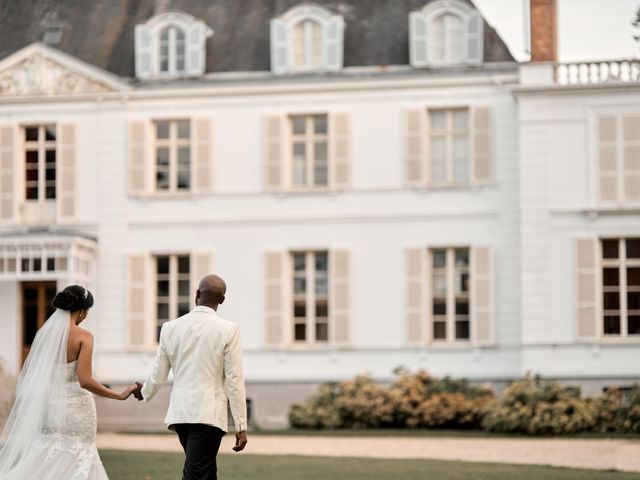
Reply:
x=38, y=70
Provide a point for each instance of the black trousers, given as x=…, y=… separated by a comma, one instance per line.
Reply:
x=201, y=444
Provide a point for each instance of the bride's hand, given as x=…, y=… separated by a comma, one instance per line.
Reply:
x=128, y=391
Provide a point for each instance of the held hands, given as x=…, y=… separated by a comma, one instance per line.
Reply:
x=133, y=389
x=241, y=441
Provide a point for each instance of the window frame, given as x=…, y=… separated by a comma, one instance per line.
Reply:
x=173, y=143
x=173, y=299
x=41, y=146
x=449, y=135
x=310, y=138
x=172, y=30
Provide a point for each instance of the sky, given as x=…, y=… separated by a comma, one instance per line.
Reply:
x=587, y=29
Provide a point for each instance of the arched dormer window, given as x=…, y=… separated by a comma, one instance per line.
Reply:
x=171, y=45
x=306, y=38
x=446, y=32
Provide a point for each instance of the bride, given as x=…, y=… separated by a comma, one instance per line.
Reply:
x=51, y=431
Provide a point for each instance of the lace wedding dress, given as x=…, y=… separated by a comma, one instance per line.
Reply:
x=51, y=433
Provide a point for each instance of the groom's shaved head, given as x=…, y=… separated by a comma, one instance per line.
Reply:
x=211, y=291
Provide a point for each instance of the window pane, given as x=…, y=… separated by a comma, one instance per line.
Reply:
x=461, y=257
x=300, y=310
x=298, y=45
x=162, y=130
x=320, y=124
x=299, y=125
x=462, y=282
x=462, y=330
x=321, y=169
x=439, y=330
x=316, y=44
x=162, y=156
x=633, y=277
x=184, y=179
x=163, y=311
x=299, y=285
x=437, y=120
x=633, y=301
x=612, y=325
x=299, y=164
x=460, y=159
x=633, y=247
x=162, y=180
x=322, y=310
x=37, y=264
x=322, y=332
x=460, y=120
x=51, y=264
x=462, y=308
x=31, y=134
x=24, y=265
x=162, y=264
x=299, y=261
x=611, y=301
x=184, y=129
x=633, y=325
x=183, y=288
x=321, y=285
x=184, y=155
x=610, y=277
x=439, y=258
x=300, y=332
x=180, y=50
x=183, y=308
x=439, y=307
x=438, y=158
x=50, y=193
x=610, y=248
x=322, y=261
x=183, y=264
x=439, y=283
x=163, y=288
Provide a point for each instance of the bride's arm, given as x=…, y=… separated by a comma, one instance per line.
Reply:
x=85, y=375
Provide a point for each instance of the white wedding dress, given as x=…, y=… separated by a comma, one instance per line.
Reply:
x=51, y=433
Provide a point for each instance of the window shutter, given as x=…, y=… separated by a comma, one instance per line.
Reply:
x=202, y=155
x=201, y=265
x=274, y=297
x=340, y=150
x=475, y=34
x=631, y=155
x=137, y=301
x=416, y=299
x=340, y=295
x=196, y=36
x=333, y=41
x=415, y=148
x=279, y=46
x=418, y=39
x=66, y=163
x=482, y=295
x=587, y=288
x=608, y=159
x=137, y=158
x=482, y=139
x=7, y=174
x=274, y=152
x=143, y=52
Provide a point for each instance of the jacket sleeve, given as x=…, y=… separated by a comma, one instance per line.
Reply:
x=234, y=380
x=159, y=371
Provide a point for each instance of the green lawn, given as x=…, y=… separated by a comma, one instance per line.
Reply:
x=123, y=465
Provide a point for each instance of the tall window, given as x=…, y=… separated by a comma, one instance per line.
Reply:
x=307, y=45
x=40, y=162
x=309, y=144
x=173, y=291
x=449, y=143
x=450, y=294
x=447, y=36
x=621, y=286
x=310, y=297
x=172, y=50
x=173, y=155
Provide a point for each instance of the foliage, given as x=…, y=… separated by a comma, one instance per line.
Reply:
x=7, y=396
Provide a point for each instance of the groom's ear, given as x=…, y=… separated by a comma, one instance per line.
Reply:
x=221, y=299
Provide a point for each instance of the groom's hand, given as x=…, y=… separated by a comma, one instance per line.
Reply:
x=241, y=441
x=138, y=392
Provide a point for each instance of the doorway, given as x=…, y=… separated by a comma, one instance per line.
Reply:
x=37, y=306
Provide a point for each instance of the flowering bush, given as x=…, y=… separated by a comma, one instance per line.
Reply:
x=616, y=413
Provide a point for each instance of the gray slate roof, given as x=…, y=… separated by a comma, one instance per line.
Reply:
x=101, y=32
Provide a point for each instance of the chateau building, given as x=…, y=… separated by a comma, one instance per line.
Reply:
x=380, y=183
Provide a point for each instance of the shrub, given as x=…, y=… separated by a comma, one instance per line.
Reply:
x=7, y=396
x=618, y=414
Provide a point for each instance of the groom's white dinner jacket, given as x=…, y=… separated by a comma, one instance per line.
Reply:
x=203, y=350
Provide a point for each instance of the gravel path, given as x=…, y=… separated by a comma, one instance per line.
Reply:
x=597, y=454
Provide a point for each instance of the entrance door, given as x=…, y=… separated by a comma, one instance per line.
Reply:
x=37, y=298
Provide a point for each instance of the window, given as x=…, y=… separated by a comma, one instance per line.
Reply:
x=170, y=45
x=172, y=155
x=306, y=38
x=40, y=163
x=172, y=50
x=446, y=32
x=309, y=151
x=621, y=287
x=310, y=297
x=450, y=307
x=449, y=144
x=173, y=289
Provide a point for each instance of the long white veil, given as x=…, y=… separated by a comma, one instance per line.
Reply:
x=40, y=405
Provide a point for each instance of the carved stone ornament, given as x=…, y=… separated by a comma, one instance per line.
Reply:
x=39, y=75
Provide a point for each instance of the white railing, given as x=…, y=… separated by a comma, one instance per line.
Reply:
x=597, y=72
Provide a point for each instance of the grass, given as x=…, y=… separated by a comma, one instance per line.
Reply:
x=125, y=465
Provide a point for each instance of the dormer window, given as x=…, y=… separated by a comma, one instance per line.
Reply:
x=171, y=45
x=306, y=38
x=444, y=33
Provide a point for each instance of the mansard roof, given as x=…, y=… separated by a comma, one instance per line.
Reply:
x=101, y=32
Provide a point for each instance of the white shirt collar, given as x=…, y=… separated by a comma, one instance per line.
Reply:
x=203, y=308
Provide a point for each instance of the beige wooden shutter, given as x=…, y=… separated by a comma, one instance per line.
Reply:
x=201, y=265
x=608, y=159
x=482, y=137
x=138, y=289
x=482, y=295
x=340, y=151
x=416, y=298
x=274, y=297
x=274, y=153
x=202, y=155
x=631, y=158
x=138, y=158
x=66, y=171
x=587, y=288
x=415, y=148
x=7, y=174
x=340, y=295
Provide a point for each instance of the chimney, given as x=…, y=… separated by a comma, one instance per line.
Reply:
x=544, y=30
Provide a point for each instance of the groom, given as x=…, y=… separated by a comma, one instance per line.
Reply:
x=203, y=350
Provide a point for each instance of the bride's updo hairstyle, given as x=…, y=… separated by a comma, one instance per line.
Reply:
x=73, y=298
